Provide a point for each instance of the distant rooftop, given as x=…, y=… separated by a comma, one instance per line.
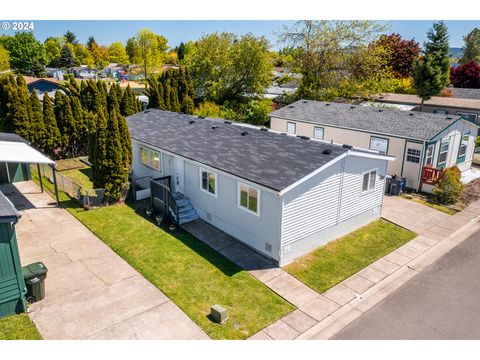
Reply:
x=263, y=157
x=406, y=124
x=7, y=210
x=465, y=93
x=434, y=101
x=12, y=138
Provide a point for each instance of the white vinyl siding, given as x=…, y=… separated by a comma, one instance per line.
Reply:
x=315, y=209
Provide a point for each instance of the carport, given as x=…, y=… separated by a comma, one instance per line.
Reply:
x=16, y=153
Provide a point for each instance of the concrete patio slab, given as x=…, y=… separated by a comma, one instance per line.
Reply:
x=283, y=284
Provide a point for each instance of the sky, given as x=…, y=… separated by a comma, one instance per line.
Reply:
x=106, y=32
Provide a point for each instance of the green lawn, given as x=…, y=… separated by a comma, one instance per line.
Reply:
x=339, y=259
x=77, y=171
x=190, y=273
x=18, y=327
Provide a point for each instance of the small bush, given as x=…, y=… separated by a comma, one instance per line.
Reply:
x=449, y=187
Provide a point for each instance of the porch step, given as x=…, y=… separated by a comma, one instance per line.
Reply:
x=186, y=212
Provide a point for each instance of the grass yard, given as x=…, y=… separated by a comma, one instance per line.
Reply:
x=76, y=171
x=190, y=273
x=339, y=259
x=18, y=327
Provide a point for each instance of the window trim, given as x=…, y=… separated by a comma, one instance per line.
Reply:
x=440, y=151
x=419, y=156
x=201, y=171
x=381, y=138
x=461, y=158
x=461, y=113
x=239, y=205
x=294, y=127
x=149, y=152
x=363, y=192
x=323, y=132
x=432, y=156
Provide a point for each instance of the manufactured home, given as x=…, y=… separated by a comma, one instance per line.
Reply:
x=281, y=195
x=424, y=144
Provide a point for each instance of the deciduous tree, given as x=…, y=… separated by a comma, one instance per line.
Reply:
x=400, y=53
x=471, y=48
x=466, y=75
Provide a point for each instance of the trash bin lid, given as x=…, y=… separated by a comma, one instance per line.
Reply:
x=34, y=269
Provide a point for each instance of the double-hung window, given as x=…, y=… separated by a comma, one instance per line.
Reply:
x=150, y=158
x=249, y=198
x=208, y=181
x=430, y=152
x=318, y=133
x=291, y=128
x=379, y=144
x=463, y=145
x=442, y=156
x=413, y=155
x=369, y=180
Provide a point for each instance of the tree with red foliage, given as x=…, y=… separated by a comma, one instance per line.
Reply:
x=466, y=75
x=401, y=53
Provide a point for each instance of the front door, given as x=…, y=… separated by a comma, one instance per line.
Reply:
x=180, y=175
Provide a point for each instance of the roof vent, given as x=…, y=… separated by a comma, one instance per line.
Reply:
x=303, y=137
x=214, y=126
x=346, y=146
x=352, y=107
x=201, y=117
x=449, y=118
x=146, y=111
x=327, y=104
x=243, y=133
x=283, y=133
x=227, y=122
x=191, y=122
x=291, y=106
x=327, y=151
x=411, y=114
x=380, y=110
x=181, y=113
x=305, y=101
x=263, y=129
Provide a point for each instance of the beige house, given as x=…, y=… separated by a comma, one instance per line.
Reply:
x=467, y=108
x=423, y=143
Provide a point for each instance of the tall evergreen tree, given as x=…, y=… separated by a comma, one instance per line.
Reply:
x=431, y=74
x=37, y=125
x=52, y=133
x=188, y=106
x=21, y=110
x=66, y=59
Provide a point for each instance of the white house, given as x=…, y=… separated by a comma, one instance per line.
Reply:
x=281, y=195
x=423, y=143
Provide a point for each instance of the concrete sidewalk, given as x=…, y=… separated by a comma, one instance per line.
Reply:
x=91, y=292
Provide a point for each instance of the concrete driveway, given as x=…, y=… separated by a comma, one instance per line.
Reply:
x=439, y=303
x=91, y=293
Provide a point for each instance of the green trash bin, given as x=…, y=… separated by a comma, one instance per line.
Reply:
x=34, y=275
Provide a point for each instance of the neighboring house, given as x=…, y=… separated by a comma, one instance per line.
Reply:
x=40, y=85
x=83, y=72
x=423, y=143
x=468, y=108
x=272, y=92
x=465, y=93
x=281, y=195
x=54, y=73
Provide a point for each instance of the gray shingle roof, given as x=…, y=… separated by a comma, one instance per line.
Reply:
x=12, y=137
x=412, y=125
x=465, y=93
x=7, y=210
x=262, y=157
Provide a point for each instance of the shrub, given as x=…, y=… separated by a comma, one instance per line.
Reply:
x=449, y=187
x=466, y=75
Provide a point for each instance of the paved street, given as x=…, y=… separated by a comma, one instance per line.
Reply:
x=442, y=302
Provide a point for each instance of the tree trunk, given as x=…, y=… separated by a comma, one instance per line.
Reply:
x=421, y=104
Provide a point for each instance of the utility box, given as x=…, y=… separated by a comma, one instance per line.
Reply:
x=12, y=285
x=218, y=314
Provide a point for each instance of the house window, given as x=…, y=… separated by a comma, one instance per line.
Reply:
x=413, y=155
x=369, y=179
x=150, y=158
x=440, y=111
x=248, y=198
x=379, y=144
x=291, y=128
x=468, y=116
x=318, y=133
x=463, y=145
x=444, y=146
x=430, y=152
x=209, y=181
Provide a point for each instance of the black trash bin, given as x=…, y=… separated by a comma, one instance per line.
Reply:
x=34, y=275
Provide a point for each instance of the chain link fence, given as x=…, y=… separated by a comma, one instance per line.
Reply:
x=86, y=197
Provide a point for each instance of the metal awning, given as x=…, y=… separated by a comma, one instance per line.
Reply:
x=17, y=152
